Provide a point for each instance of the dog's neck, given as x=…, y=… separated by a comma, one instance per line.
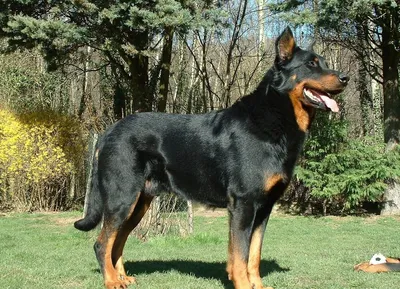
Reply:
x=271, y=109
x=272, y=100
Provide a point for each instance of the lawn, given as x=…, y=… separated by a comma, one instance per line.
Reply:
x=45, y=251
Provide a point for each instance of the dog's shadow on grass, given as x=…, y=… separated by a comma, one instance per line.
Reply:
x=199, y=269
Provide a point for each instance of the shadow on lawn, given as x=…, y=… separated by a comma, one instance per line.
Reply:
x=209, y=270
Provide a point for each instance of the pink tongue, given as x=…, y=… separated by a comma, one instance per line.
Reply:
x=329, y=102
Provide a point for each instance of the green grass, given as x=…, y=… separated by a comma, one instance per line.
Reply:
x=45, y=251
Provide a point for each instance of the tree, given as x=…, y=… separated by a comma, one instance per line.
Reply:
x=125, y=33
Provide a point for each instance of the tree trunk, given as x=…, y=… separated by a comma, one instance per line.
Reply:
x=85, y=95
x=139, y=72
x=366, y=101
x=165, y=68
x=194, y=76
x=392, y=204
x=190, y=216
x=363, y=87
x=134, y=72
x=391, y=108
x=376, y=91
x=180, y=83
x=217, y=80
x=92, y=152
x=261, y=23
x=203, y=68
x=119, y=100
x=142, y=101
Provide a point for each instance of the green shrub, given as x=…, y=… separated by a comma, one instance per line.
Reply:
x=359, y=172
x=339, y=175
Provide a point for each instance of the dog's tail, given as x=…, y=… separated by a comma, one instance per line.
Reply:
x=95, y=203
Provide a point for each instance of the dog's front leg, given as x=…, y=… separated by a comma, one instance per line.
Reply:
x=257, y=237
x=241, y=214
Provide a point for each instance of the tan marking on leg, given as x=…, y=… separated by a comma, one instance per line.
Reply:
x=239, y=270
x=253, y=267
x=117, y=251
x=230, y=254
x=111, y=277
x=238, y=265
x=120, y=242
x=133, y=219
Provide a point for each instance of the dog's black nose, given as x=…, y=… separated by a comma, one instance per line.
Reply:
x=344, y=78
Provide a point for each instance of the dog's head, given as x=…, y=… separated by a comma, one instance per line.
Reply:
x=306, y=76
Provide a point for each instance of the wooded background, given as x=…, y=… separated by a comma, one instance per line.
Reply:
x=71, y=68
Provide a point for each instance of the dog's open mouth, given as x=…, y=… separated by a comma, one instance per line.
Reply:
x=320, y=99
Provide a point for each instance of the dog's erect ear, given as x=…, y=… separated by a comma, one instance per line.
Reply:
x=285, y=45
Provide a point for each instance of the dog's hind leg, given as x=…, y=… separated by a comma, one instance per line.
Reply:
x=105, y=243
x=136, y=213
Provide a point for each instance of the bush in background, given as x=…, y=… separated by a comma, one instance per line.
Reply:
x=338, y=174
x=40, y=155
x=360, y=172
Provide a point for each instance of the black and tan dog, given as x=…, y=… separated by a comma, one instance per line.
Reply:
x=241, y=158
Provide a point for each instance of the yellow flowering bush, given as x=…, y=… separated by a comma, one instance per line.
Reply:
x=39, y=152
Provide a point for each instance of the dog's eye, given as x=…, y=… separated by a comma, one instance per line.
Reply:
x=312, y=64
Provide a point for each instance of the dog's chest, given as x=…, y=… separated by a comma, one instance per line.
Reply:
x=279, y=162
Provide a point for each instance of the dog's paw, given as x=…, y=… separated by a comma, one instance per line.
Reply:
x=116, y=285
x=127, y=279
